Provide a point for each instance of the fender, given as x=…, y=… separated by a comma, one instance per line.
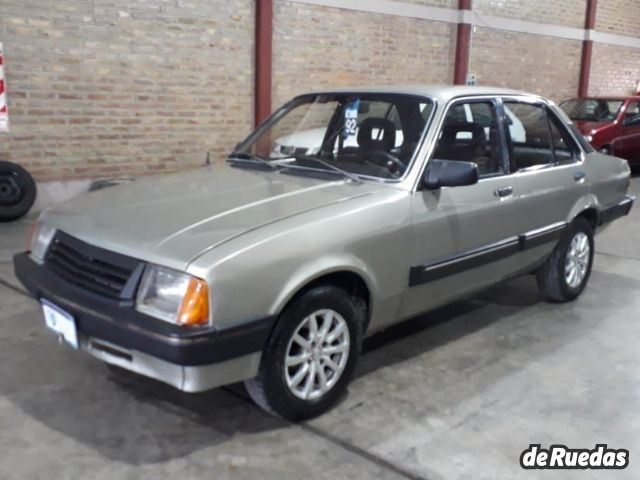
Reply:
x=318, y=268
x=586, y=202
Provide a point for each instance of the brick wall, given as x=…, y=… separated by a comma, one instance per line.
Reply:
x=435, y=3
x=316, y=47
x=615, y=70
x=565, y=12
x=514, y=60
x=130, y=87
x=621, y=17
x=124, y=87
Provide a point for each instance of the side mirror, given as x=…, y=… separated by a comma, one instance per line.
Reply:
x=450, y=173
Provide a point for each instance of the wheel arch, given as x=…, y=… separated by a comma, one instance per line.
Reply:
x=592, y=215
x=587, y=207
x=354, y=279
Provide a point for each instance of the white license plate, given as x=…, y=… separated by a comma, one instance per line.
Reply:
x=61, y=322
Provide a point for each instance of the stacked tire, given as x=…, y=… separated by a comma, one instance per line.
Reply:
x=17, y=191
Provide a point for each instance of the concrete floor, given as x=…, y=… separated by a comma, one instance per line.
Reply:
x=456, y=394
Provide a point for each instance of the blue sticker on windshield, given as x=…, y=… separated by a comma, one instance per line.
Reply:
x=351, y=119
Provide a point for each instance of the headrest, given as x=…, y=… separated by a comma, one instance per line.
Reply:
x=377, y=134
x=450, y=132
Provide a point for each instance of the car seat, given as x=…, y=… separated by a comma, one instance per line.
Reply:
x=377, y=134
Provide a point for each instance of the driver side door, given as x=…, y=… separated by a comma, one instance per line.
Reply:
x=465, y=238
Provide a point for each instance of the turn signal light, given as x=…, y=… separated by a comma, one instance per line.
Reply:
x=194, y=310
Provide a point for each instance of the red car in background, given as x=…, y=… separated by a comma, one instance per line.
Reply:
x=610, y=124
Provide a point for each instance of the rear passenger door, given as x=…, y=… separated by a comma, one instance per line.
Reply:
x=548, y=165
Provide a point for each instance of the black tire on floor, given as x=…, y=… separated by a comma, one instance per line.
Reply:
x=17, y=191
x=551, y=276
x=269, y=389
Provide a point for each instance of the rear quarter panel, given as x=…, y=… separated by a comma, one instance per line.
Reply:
x=609, y=179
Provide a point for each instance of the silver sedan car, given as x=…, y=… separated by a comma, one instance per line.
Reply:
x=344, y=213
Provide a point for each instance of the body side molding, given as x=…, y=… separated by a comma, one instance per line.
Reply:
x=477, y=257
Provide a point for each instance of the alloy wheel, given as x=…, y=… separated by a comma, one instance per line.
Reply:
x=577, y=261
x=317, y=354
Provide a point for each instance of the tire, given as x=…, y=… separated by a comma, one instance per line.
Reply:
x=271, y=389
x=554, y=277
x=17, y=191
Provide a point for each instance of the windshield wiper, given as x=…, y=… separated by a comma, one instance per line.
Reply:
x=344, y=173
x=250, y=158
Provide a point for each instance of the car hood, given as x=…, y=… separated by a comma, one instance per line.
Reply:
x=171, y=219
x=587, y=127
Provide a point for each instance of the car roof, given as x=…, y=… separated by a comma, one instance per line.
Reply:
x=439, y=92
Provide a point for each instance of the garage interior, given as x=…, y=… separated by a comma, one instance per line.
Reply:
x=122, y=89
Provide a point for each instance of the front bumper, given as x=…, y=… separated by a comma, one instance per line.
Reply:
x=618, y=210
x=192, y=359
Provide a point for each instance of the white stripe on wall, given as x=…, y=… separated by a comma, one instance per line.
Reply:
x=523, y=26
x=450, y=15
x=602, y=37
x=390, y=7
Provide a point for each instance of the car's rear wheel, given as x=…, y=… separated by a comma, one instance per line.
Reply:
x=566, y=272
x=310, y=356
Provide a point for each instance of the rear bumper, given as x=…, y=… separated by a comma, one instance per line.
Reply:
x=614, y=212
x=192, y=359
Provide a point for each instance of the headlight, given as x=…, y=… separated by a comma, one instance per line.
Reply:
x=588, y=138
x=173, y=296
x=41, y=236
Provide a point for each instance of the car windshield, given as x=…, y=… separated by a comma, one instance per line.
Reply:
x=592, y=109
x=348, y=134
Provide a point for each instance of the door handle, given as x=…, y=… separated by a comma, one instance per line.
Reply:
x=579, y=177
x=503, y=192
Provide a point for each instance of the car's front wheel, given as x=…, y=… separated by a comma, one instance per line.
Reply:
x=310, y=356
x=566, y=272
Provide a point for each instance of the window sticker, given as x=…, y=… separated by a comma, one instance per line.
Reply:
x=351, y=119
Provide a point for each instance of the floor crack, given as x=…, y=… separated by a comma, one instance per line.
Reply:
x=617, y=255
x=10, y=286
x=370, y=457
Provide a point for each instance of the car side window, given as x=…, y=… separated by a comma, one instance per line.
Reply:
x=528, y=135
x=564, y=146
x=632, y=115
x=470, y=133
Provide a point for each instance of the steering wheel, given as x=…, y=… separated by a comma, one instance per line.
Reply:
x=386, y=160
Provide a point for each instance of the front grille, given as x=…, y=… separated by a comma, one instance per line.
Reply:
x=91, y=268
